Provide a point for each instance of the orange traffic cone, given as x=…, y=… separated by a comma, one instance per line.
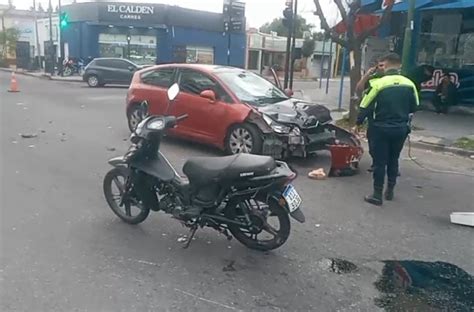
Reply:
x=13, y=84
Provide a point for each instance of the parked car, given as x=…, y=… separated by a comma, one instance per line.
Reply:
x=101, y=71
x=233, y=109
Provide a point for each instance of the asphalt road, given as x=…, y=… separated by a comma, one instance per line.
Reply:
x=62, y=249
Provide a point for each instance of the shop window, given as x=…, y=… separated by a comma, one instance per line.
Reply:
x=161, y=78
x=444, y=43
x=194, y=82
x=253, y=59
x=200, y=55
x=141, y=49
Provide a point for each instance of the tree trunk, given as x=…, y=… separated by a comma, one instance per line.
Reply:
x=355, y=77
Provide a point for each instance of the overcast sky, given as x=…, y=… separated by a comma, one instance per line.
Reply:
x=257, y=11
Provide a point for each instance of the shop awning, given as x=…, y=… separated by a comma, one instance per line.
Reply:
x=460, y=4
x=403, y=6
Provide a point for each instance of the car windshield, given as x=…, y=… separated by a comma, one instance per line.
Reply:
x=251, y=88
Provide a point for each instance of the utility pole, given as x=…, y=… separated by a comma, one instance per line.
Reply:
x=288, y=15
x=60, y=39
x=293, y=44
x=51, y=43
x=408, y=37
x=38, y=48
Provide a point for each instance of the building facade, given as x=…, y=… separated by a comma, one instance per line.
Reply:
x=269, y=50
x=24, y=22
x=150, y=33
x=443, y=36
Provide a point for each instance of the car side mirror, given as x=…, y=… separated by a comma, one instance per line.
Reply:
x=173, y=92
x=132, y=68
x=208, y=94
x=289, y=92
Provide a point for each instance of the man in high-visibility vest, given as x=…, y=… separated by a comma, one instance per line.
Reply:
x=389, y=101
x=363, y=87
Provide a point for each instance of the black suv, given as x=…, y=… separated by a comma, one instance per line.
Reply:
x=109, y=70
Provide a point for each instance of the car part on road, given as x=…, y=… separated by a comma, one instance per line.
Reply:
x=244, y=138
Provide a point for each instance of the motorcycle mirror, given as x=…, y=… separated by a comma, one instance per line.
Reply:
x=173, y=92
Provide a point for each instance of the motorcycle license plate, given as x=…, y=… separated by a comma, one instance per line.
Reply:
x=292, y=198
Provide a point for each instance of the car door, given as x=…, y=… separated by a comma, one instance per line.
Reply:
x=203, y=114
x=121, y=71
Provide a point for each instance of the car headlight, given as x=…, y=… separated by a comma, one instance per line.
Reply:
x=157, y=124
x=277, y=127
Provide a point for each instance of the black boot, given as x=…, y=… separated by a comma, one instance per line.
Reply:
x=389, y=192
x=376, y=197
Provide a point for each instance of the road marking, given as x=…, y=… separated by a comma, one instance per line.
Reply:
x=207, y=300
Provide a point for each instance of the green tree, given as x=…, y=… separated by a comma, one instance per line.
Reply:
x=352, y=41
x=8, y=39
x=277, y=26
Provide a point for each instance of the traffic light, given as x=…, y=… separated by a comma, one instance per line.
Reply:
x=287, y=17
x=63, y=20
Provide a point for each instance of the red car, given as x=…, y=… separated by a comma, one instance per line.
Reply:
x=232, y=109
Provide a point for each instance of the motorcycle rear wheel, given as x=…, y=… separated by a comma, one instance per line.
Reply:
x=260, y=212
x=123, y=208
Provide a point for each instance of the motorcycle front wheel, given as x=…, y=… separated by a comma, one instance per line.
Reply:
x=123, y=202
x=270, y=224
x=67, y=72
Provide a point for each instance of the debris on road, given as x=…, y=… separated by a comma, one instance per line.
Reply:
x=111, y=149
x=31, y=146
x=229, y=267
x=42, y=131
x=14, y=142
x=182, y=239
x=317, y=225
x=28, y=135
x=338, y=266
x=463, y=218
x=317, y=174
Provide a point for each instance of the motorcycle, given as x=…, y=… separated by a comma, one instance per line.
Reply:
x=249, y=197
x=71, y=67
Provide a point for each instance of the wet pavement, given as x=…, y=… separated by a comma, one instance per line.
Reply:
x=62, y=249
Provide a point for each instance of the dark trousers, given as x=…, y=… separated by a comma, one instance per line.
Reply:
x=387, y=146
x=370, y=142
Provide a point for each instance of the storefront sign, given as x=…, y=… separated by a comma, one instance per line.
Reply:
x=126, y=12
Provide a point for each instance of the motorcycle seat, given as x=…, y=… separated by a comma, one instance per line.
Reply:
x=205, y=170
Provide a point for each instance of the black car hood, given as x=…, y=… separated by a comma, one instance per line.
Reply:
x=294, y=111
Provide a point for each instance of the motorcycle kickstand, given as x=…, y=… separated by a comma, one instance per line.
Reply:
x=191, y=236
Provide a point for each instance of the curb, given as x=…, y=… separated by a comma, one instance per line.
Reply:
x=442, y=148
x=40, y=76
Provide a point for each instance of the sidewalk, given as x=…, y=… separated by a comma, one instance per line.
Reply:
x=430, y=130
x=43, y=75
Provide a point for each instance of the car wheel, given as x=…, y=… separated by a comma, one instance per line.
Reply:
x=244, y=138
x=93, y=81
x=135, y=115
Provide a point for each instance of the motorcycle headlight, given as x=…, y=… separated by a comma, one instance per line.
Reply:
x=157, y=124
x=277, y=127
